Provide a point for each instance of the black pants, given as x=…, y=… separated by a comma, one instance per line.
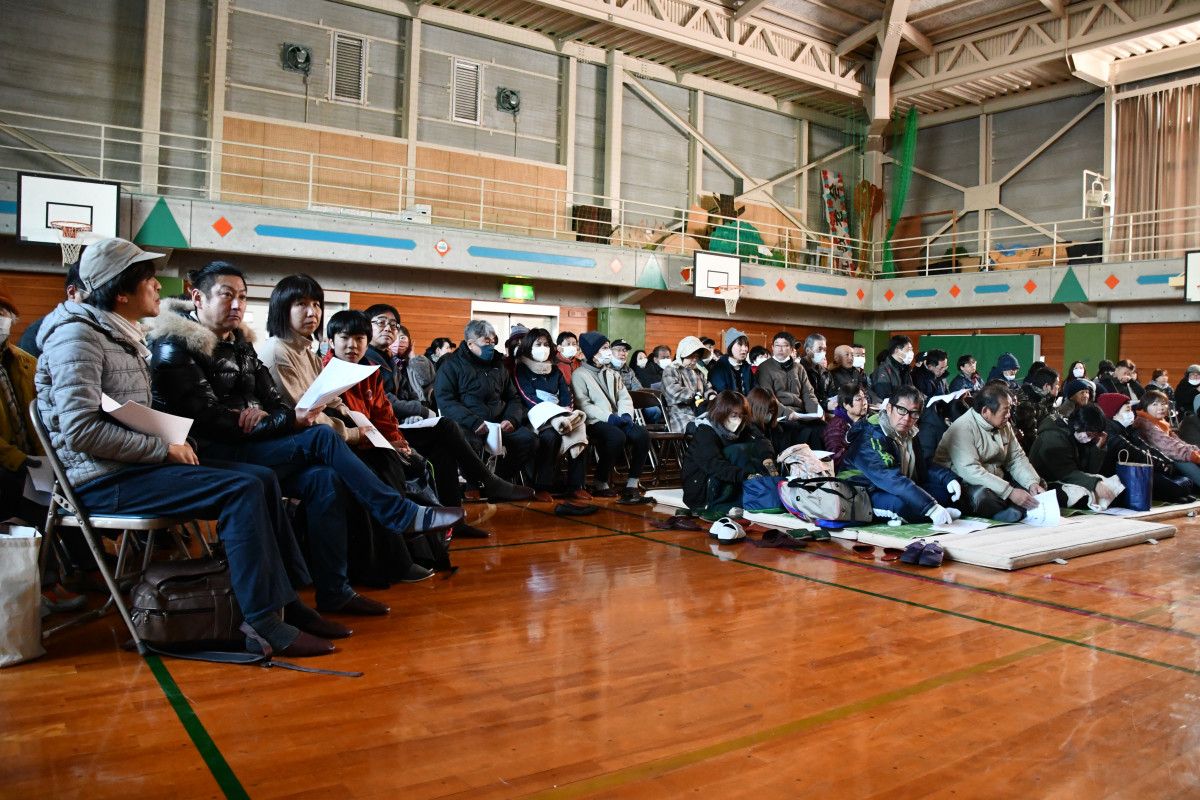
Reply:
x=809, y=432
x=448, y=451
x=980, y=501
x=545, y=463
x=609, y=441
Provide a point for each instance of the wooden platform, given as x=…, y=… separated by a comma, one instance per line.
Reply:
x=599, y=657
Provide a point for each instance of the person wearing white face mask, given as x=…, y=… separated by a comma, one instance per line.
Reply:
x=784, y=377
x=608, y=408
x=624, y=366
x=1168, y=484
x=19, y=447
x=1077, y=370
x=732, y=371
x=567, y=358
x=1072, y=452
x=1188, y=389
x=813, y=361
x=722, y=455
x=539, y=382
x=686, y=391
x=1007, y=367
x=895, y=371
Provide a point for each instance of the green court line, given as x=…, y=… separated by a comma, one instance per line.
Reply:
x=454, y=549
x=959, y=614
x=217, y=765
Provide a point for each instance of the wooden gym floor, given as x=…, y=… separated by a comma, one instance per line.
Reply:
x=598, y=657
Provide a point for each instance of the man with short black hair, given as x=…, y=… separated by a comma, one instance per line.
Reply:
x=895, y=370
x=1035, y=402
x=784, y=376
x=407, y=377
x=981, y=448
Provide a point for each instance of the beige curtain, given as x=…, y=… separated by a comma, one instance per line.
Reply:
x=1157, y=186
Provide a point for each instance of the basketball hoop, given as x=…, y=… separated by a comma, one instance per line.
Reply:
x=70, y=237
x=730, y=294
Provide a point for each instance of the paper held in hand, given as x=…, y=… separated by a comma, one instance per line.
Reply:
x=373, y=436
x=337, y=377
x=1047, y=513
x=172, y=429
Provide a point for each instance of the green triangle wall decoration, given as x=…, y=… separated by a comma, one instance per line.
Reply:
x=651, y=277
x=1070, y=290
x=160, y=228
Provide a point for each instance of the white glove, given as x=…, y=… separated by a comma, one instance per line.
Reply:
x=939, y=515
x=955, y=490
x=562, y=424
x=883, y=513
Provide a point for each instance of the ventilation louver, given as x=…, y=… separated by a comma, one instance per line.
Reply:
x=349, y=68
x=466, y=92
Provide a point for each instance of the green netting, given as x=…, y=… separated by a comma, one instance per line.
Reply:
x=906, y=147
x=743, y=239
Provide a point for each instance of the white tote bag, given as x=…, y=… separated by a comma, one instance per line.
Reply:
x=20, y=595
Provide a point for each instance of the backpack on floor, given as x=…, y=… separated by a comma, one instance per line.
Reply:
x=826, y=499
x=187, y=605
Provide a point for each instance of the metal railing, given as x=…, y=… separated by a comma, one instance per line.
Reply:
x=196, y=167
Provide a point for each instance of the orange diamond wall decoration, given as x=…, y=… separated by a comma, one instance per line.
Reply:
x=222, y=227
x=955, y=291
x=1111, y=281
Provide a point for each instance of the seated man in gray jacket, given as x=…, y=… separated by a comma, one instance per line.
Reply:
x=982, y=449
x=96, y=348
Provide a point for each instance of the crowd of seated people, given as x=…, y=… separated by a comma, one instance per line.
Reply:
x=526, y=422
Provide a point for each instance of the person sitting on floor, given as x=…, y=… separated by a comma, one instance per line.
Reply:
x=721, y=455
x=1152, y=424
x=1126, y=444
x=1035, y=402
x=980, y=447
x=473, y=388
x=205, y=368
x=96, y=348
x=1075, y=393
x=851, y=407
x=732, y=371
x=1189, y=424
x=606, y=404
x=968, y=375
x=407, y=378
x=896, y=367
x=764, y=419
x=1072, y=452
x=539, y=382
x=885, y=455
x=686, y=392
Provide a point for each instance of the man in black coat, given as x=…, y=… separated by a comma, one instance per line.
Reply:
x=473, y=388
x=895, y=371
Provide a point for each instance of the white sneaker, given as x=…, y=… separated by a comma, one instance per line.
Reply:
x=726, y=530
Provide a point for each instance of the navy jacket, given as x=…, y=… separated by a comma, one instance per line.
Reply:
x=529, y=382
x=722, y=376
x=873, y=459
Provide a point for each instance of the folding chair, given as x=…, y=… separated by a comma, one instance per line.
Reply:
x=665, y=447
x=66, y=511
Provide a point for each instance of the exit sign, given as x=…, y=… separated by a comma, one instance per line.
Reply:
x=516, y=291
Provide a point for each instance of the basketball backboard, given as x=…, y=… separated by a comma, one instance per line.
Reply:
x=1191, y=272
x=713, y=270
x=42, y=199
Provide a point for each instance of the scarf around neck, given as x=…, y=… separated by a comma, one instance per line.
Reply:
x=130, y=330
x=904, y=441
x=537, y=367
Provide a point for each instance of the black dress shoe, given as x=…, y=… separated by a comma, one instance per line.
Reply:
x=573, y=510
x=306, y=645
x=416, y=573
x=324, y=628
x=464, y=531
x=605, y=493
x=633, y=497
x=496, y=488
x=435, y=518
x=359, y=606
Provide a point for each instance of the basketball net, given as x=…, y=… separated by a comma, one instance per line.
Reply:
x=731, y=295
x=70, y=238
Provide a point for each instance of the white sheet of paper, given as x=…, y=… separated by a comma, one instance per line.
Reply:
x=1047, y=513
x=1116, y=511
x=946, y=398
x=19, y=531
x=961, y=526
x=172, y=429
x=337, y=377
x=808, y=415
x=546, y=397
x=425, y=423
x=39, y=482
x=494, y=441
x=373, y=436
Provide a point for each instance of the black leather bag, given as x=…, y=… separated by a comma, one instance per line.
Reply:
x=187, y=605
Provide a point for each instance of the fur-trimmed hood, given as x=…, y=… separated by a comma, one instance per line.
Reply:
x=176, y=319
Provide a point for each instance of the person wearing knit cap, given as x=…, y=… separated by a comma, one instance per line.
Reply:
x=1075, y=393
x=1188, y=389
x=1007, y=367
x=732, y=371
x=608, y=409
x=1072, y=452
x=19, y=447
x=1125, y=443
x=686, y=390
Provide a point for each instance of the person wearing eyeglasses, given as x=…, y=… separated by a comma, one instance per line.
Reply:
x=1072, y=452
x=407, y=378
x=885, y=455
x=851, y=407
x=981, y=448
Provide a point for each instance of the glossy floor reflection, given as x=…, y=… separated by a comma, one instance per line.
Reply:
x=601, y=657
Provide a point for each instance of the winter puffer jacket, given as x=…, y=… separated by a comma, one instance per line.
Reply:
x=472, y=391
x=213, y=380
x=873, y=460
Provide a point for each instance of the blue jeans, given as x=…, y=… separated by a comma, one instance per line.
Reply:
x=890, y=502
x=235, y=500
x=317, y=466
x=1189, y=470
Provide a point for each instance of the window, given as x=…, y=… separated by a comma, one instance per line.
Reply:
x=349, y=74
x=465, y=100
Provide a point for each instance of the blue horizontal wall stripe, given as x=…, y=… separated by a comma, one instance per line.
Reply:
x=810, y=287
x=754, y=281
x=992, y=288
x=538, y=258
x=921, y=293
x=335, y=237
x=8, y=206
x=1152, y=279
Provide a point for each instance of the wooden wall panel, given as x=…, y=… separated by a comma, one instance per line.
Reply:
x=35, y=294
x=1172, y=346
x=1052, y=344
x=426, y=318
x=669, y=329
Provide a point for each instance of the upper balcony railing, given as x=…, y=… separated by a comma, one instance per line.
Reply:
x=761, y=231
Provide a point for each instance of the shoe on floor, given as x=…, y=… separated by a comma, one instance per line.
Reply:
x=416, y=573
x=306, y=645
x=59, y=600
x=632, y=497
x=912, y=553
x=932, y=555
x=359, y=606
x=580, y=495
x=496, y=488
x=542, y=497
x=324, y=628
x=572, y=510
x=609, y=492
x=434, y=518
